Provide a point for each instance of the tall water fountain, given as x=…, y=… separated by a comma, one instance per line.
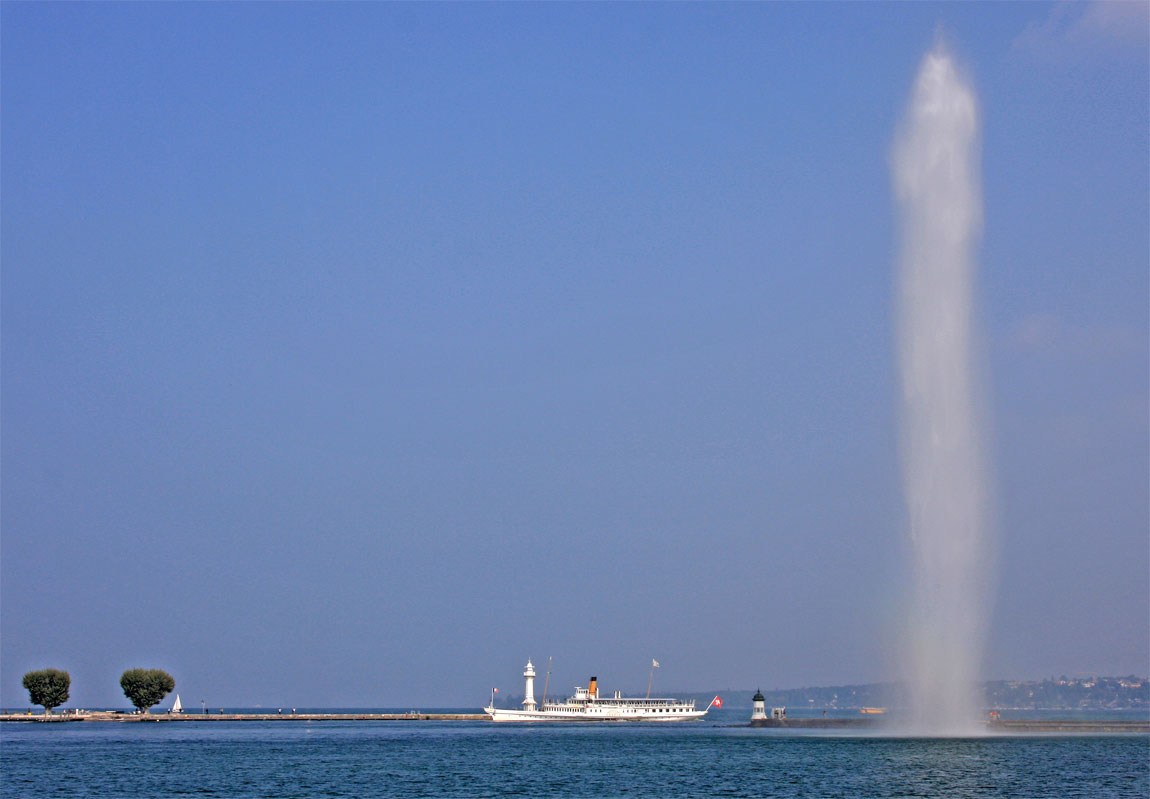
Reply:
x=936, y=180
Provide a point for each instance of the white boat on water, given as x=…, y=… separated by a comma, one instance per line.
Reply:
x=176, y=706
x=587, y=705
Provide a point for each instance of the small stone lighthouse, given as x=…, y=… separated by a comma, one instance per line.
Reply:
x=529, y=692
x=758, y=702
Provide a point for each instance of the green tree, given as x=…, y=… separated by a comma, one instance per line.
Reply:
x=146, y=687
x=48, y=687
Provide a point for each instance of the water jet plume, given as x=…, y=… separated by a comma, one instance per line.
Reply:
x=935, y=171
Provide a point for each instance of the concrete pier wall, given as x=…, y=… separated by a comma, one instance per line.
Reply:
x=862, y=722
x=164, y=717
x=1021, y=726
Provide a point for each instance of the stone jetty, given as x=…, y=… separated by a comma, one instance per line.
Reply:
x=166, y=717
x=1016, y=726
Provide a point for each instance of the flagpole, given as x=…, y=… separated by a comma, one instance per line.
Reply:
x=651, y=678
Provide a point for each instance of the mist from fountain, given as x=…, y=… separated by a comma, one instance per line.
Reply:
x=936, y=176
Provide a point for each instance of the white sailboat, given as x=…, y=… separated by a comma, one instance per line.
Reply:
x=176, y=706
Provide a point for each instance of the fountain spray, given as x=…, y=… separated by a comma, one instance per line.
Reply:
x=936, y=165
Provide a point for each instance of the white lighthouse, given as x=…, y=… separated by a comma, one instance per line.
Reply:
x=759, y=707
x=529, y=691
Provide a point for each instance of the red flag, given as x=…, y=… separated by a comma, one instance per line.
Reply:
x=494, y=690
x=717, y=702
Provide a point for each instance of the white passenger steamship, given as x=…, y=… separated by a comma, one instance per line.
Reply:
x=587, y=705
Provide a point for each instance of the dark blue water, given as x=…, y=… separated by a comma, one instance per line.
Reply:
x=478, y=759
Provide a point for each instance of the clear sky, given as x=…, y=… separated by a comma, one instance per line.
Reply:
x=354, y=353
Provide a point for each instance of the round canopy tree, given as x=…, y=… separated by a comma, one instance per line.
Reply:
x=146, y=687
x=48, y=687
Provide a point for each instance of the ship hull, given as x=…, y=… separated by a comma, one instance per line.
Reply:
x=592, y=714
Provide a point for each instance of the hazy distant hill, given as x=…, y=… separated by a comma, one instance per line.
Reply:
x=1085, y=693
x=1061, y=693
x=825, y=698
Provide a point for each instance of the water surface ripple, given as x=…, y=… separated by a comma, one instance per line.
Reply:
x=363, y=759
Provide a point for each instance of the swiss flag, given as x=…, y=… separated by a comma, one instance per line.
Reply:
x=717, y=702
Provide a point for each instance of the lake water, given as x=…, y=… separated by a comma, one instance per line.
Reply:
x=478, y=759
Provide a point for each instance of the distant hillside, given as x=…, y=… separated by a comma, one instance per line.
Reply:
x=1061, y=693
x=833, y=697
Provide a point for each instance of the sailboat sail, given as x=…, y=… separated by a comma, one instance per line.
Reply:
x=176, y=706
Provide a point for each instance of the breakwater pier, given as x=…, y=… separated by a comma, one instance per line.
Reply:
x=413, y=715
x=1017, y=726
x=857, y=723
x=999, y=726
x=1068, y=726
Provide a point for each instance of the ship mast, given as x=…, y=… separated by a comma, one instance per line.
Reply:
x=546, y=680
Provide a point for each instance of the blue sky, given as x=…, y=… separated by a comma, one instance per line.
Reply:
x=354, y=353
